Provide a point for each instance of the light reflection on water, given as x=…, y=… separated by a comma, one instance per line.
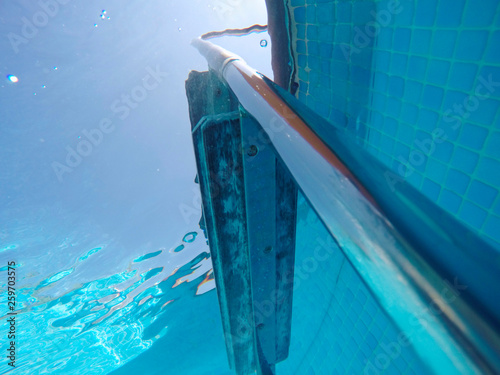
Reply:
x=99, y=325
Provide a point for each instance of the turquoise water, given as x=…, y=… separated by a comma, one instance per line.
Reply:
x=73, y=324
x=112, y=279
x=97, y=186
x=337, y=325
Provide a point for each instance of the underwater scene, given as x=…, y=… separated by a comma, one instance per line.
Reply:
x=250, y=187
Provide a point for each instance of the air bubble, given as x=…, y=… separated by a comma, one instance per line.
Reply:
x=263, y=43
x=189, y=237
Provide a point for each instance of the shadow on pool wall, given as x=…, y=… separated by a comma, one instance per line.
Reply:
x=337, y=325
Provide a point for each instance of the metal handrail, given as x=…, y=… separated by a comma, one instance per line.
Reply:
x=408, y=276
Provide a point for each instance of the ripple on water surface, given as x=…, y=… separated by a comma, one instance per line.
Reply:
x=97, y=326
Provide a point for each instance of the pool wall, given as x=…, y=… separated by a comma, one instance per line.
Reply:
x=418, y=83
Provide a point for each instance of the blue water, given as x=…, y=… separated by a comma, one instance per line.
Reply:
x=108, y=276
x=70, y=321
x=113, y=273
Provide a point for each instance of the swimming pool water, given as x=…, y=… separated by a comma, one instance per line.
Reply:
x=417, y=83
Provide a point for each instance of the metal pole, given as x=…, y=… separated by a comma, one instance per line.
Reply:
x=454, y=334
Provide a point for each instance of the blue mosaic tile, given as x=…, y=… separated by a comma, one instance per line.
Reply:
x=450, y=13
x=344, y=12
x=472, y=214
x=401, y=39
x=325, y=34
x=399, y=64
x=425, y=12
x=450, y=201
x=360, y=75
x=301, y=31
x=363, y=58
x=462, y=76
x=301, y=46
x=471, y=44
x=361, y=12
x=436, y=170
x=493, y=146
x=409, y=113
x=415, y=179
x=464, y=160
x=437, y=72
x=488, y=170
x=300, y=14
x=482, y=194
x=413, y=90
x=492, y=227
x=376, y=120
x=390, y=126
x=417, y=68
x=430, y=189
x=493, y=52
x=452, y=98
x=325, y=13
x=339, y=87
x=444, y=151
x=313, y=48
x=302, y=59
x=473, y=136
x=427, y=120
x=457, y=181
x=432, y=97
x=380, y=82
x=443, y=43
x=311, y=14
x=384, y=39
x=406, y=133
x=421, y=41
x=326, y=67
x=489, y=78
x=486, y=112
x=393, y=106
x=312, y=32
x=405, y=16
x=378, y=102
x=480, y=16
